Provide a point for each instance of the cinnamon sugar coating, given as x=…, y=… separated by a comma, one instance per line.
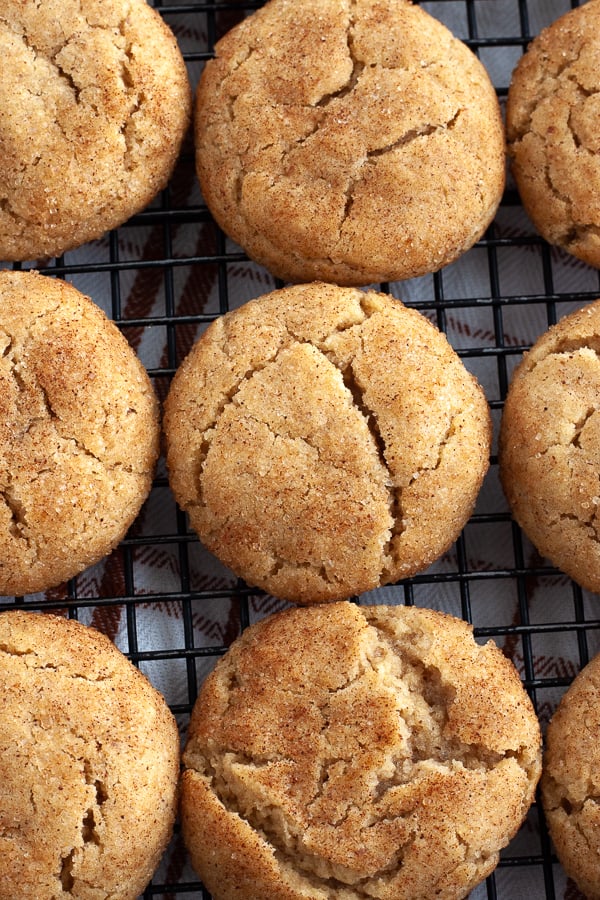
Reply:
x=89, y=764
x=349, y=141
x=570, y=783
x=549, y=447
x=325, y=441
x=94, y=104
x=355, y=752
x=79, y=433
x=553, y=131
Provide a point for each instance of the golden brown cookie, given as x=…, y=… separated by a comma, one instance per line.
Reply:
x=357, y=752
x=349, y=141
x=79, y=433
x=549, y=448
x=325, y=441
x=89, y=764
x=571, y=780
x=553, y=130
x=94, y=104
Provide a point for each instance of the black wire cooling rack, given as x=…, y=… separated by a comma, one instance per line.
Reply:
x=169, y=271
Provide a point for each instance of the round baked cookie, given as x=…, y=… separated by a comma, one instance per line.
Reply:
x=553, y=131
x=79, y=433
x=89, y=764
x=349, y=141
x=325, y=441
x=549, y=446
x=348, y=752
x=94, y=104
x=570, y=784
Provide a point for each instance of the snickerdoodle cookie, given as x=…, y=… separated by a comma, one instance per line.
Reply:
x=348, y=752
x=549, y=449
x=94, y=104
x=350, y=141
x=571, y=780
x=553, y=129
x=79, y=433
x=89, y=764
x=325, y=441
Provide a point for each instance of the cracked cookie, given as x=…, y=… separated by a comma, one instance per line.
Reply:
x=349, y=141
x=79, y=433
x=351, y=752
x=89, y=764
x=553, y=132
x=549, y=447
x=570, y=784
x=94, y=104
x=325, y=441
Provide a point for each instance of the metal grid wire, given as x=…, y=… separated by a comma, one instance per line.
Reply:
x=169, y=271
